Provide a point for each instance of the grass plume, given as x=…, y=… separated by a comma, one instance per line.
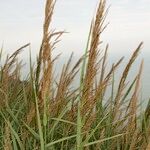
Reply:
x=45, y=112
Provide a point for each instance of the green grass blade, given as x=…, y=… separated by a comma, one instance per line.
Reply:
x=39, y=122
x=95, y=129
x=105, y=139
x=14, y=132
x=64, y=121
x=58, y=120
x=85, y=58
x=32, y=131
x=79, y=129
x=60, y=140
x=14, y=142
x=129, y=90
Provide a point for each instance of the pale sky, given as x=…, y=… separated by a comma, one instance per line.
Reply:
x=21, y=22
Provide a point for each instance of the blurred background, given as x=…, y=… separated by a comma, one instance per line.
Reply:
x=129, y=24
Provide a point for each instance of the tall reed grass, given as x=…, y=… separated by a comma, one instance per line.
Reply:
x=43, y=112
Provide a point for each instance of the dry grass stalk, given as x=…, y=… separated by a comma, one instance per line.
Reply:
x=31, y=114
x=147, y=113
x=131, y=117
x=10, y=76
x=100, y=92
x=123, y=79
x=7, y=138
x=148, y=146
x=92, y=95
x=106, y=80
x=44, y=70
x=103, y=65
x=55, y=99
x=133, y=102
x=100, y=88
x=93, y=53
x=44, y=62
x=134, y=140
x=64, y=94
x=45, y=56
x=12, y=59
x=10, y=62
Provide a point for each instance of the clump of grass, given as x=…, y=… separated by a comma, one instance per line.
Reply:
x=43, y=112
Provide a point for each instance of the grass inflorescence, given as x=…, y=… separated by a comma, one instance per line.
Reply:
x=44, y=112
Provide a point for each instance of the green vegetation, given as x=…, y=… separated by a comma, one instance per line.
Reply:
x=43, y=112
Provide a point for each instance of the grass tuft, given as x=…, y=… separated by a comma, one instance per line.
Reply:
x=45, y=112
